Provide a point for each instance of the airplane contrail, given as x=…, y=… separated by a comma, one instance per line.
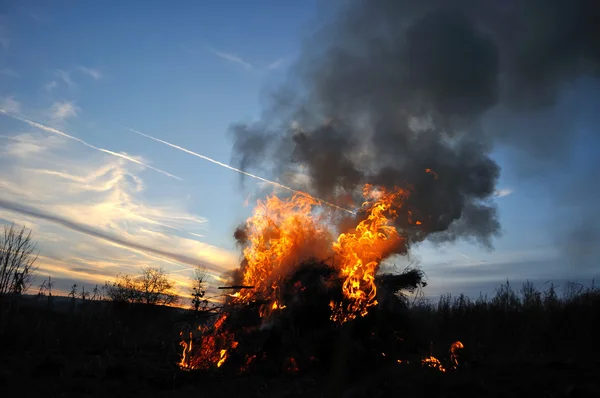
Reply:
x=62, y=134
x=233, y=168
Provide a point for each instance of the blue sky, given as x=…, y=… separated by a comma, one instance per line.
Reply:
x=183, y=74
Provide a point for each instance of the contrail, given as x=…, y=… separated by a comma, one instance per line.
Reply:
x=55, y=131
x=234, y=169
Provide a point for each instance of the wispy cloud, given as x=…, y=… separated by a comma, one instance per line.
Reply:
x=92, y=218
x=93, y=73
x=10, y=104
x=278, y=63
x=65, y=135
x=51, y=85
x=65, y=77
x=500, y=193
x=26, y=145
x=232, y=58
x=61, y=76
x=62, y=110
x=120, y=242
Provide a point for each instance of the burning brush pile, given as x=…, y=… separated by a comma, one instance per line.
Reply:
x=304, y=296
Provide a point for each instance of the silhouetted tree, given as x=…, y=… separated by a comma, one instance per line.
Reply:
x=124, y=289
x=97, y=293
x=153, y=286
x=156, y=286
x=17, y=260
x=198, y=289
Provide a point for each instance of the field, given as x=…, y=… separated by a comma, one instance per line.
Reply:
x=517, y=343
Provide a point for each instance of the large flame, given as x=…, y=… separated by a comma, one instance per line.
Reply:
x=361, y=250
x=280, y=235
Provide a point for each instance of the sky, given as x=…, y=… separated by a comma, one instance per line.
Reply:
x=77, y=79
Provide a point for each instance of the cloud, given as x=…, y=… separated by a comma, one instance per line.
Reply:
x=25, y=145
x=65, y=77
x=120, y=242
x=62, y=110
x=9, y=104
x=93, y=219
x=51, y=85
x=61, y=76
x=232, y=58
x=277, y=63
x=500, y=193
x=93, y=73
x=65, y=135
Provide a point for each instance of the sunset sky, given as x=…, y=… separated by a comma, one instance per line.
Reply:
x=77, y=77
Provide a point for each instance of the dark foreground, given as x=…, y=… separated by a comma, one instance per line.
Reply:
x=534, y=345
x=133, y=374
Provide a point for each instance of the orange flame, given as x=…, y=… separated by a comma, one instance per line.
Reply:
x=361, y=250
x=212, y=350
x=281, y=233
x=454, y=347
x=434, y=363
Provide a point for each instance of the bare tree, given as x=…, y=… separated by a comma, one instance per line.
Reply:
x=153, y=286
x=156, y=286
x=123, y=288
x=198, y=289
x=17, y=260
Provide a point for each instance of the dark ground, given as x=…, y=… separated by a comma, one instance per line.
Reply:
x=532, y=344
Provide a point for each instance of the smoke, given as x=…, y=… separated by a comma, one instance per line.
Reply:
x=387, y=89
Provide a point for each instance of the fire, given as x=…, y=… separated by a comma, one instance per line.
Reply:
x=433, y=362
x=454, y=347
x=187, y=349
x=212, y=350
x=222, y=359
x=280, y=233
x=361, y=250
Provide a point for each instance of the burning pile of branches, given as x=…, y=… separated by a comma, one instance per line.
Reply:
x=299, y=287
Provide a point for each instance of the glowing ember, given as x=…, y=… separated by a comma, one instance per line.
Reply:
x=433, y=362
x=292, y=366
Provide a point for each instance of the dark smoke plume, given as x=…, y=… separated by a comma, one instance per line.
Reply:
x=390, y=88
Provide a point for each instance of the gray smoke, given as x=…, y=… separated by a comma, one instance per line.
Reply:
x=389, y=88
